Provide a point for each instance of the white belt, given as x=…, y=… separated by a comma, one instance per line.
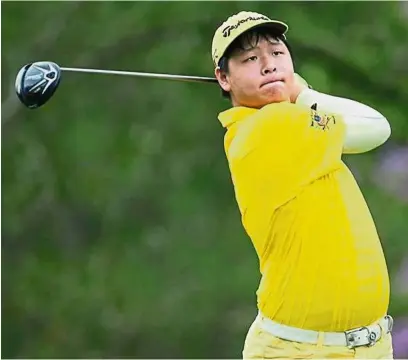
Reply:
x=364, y=336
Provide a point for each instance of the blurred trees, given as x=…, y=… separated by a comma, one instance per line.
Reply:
x=121, y=236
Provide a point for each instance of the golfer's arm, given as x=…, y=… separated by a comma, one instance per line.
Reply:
x=366, y=128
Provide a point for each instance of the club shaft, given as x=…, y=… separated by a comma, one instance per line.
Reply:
x=144, y=74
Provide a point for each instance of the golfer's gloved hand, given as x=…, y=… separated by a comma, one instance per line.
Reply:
x=298, y=86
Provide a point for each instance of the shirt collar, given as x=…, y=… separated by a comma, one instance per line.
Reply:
x=232, y=115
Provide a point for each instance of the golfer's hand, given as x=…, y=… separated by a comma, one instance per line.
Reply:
x=298, y=86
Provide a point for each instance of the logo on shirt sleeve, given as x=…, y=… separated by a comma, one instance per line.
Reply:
x=321, y=121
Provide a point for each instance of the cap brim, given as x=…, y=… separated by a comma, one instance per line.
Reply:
x=280, y=27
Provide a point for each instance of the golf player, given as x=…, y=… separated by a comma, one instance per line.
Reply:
x=324, y=288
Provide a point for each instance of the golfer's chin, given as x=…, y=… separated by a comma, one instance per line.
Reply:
x=272, y=98
x=274, y=93
x=263, y=96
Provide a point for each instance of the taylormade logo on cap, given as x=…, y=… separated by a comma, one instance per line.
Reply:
x=227, y=31
x=237, y=24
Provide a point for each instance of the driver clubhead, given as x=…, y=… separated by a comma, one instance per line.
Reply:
x=37, y=82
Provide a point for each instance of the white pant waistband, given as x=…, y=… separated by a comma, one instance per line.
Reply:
x=364, y=336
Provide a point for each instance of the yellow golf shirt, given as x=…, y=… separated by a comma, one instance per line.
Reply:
x=320, y=257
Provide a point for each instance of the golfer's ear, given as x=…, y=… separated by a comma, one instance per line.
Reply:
x=222, y=79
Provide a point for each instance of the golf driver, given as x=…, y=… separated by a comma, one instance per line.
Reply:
x=37, y=82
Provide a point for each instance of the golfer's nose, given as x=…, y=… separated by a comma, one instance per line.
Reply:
x=269, y=67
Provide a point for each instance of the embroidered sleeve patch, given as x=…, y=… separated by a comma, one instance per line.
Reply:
x=321, y=121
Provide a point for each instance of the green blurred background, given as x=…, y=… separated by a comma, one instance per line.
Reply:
x=121, y=236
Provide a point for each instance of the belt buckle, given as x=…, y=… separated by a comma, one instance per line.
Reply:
x=350, y=337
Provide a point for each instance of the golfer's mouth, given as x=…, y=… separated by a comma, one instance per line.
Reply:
x=272, y=82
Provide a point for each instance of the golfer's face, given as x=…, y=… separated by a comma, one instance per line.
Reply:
x=261, y=75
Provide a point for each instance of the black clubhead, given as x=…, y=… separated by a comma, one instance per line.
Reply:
x=37, y=82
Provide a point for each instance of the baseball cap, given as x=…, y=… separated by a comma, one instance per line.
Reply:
x=236, y=25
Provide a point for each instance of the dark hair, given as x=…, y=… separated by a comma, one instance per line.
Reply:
x=250, y=38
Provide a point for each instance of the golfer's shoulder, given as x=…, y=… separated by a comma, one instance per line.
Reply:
x=275, y=117
x=266, y=126
x=283, y=111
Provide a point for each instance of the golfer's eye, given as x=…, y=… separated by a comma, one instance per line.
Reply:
x=251, y=58
x=277, y=53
